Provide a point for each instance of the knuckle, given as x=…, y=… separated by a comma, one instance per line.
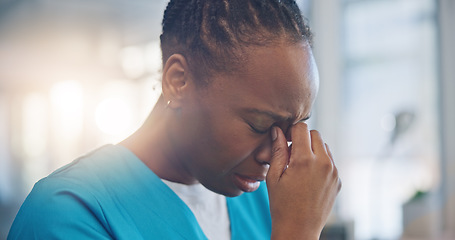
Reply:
x=275, y=150
x=327, y=165
x=335, y=171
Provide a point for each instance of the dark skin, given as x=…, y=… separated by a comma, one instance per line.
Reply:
x=231, y=134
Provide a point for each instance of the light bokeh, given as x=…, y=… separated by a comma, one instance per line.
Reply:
x=75, y=75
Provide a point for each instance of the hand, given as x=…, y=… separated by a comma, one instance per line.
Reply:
x=302, y=182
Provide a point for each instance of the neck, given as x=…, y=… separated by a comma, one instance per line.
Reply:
x=152, y=144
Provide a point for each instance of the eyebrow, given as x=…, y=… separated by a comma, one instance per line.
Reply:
x=273, y=115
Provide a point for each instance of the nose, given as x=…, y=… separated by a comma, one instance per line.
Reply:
x=263, y=154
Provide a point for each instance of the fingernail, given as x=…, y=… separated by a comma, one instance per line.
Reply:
x=274, y=133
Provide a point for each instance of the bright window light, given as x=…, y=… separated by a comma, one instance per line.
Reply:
x=34, y=125
x=67, y=102
x=132, y=61
x=67, y=95
x=113, y=116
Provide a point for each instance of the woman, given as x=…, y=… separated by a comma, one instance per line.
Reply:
x=239, y=80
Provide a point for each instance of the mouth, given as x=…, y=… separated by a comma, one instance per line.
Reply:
x=248, y=183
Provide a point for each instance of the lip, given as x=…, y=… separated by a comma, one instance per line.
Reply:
x=247, y=183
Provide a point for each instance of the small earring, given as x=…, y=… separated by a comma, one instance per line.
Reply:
x=167, y=104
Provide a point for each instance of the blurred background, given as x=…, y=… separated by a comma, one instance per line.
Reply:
x=75, y=75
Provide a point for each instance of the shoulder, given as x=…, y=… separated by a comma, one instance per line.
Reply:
x=108, y=193
x=58, y=209
x=67, y=203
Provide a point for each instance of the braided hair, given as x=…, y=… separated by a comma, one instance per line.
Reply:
x=212, y=34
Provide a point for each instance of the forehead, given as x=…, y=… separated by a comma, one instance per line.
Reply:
x=281, y=79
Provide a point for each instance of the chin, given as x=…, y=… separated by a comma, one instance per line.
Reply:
x=228, y=192
x=233, y=194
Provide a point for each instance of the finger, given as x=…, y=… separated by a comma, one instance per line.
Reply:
x=340, y=184
x=317, y=144
x=301, y=140
x=280, y=156
x=329, y=152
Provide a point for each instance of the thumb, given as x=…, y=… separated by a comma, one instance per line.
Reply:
x=280, y=156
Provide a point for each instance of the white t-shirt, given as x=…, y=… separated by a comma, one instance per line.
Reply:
x=209, y=208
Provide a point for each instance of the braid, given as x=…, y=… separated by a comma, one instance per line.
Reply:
x=171, y=13
x=212, y=34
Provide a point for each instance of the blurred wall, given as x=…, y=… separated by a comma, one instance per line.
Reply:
x=406, y=64
x=447, y=109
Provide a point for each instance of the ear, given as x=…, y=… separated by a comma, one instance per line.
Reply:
x=176, y=81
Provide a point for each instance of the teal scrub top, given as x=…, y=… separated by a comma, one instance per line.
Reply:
x=111, y=194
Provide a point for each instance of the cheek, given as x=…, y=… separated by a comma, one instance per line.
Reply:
x=223, y=138
x=234, y=143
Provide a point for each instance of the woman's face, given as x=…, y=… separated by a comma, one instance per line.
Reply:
x=223, y=136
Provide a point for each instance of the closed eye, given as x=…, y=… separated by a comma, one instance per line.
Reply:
x=258, y=131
